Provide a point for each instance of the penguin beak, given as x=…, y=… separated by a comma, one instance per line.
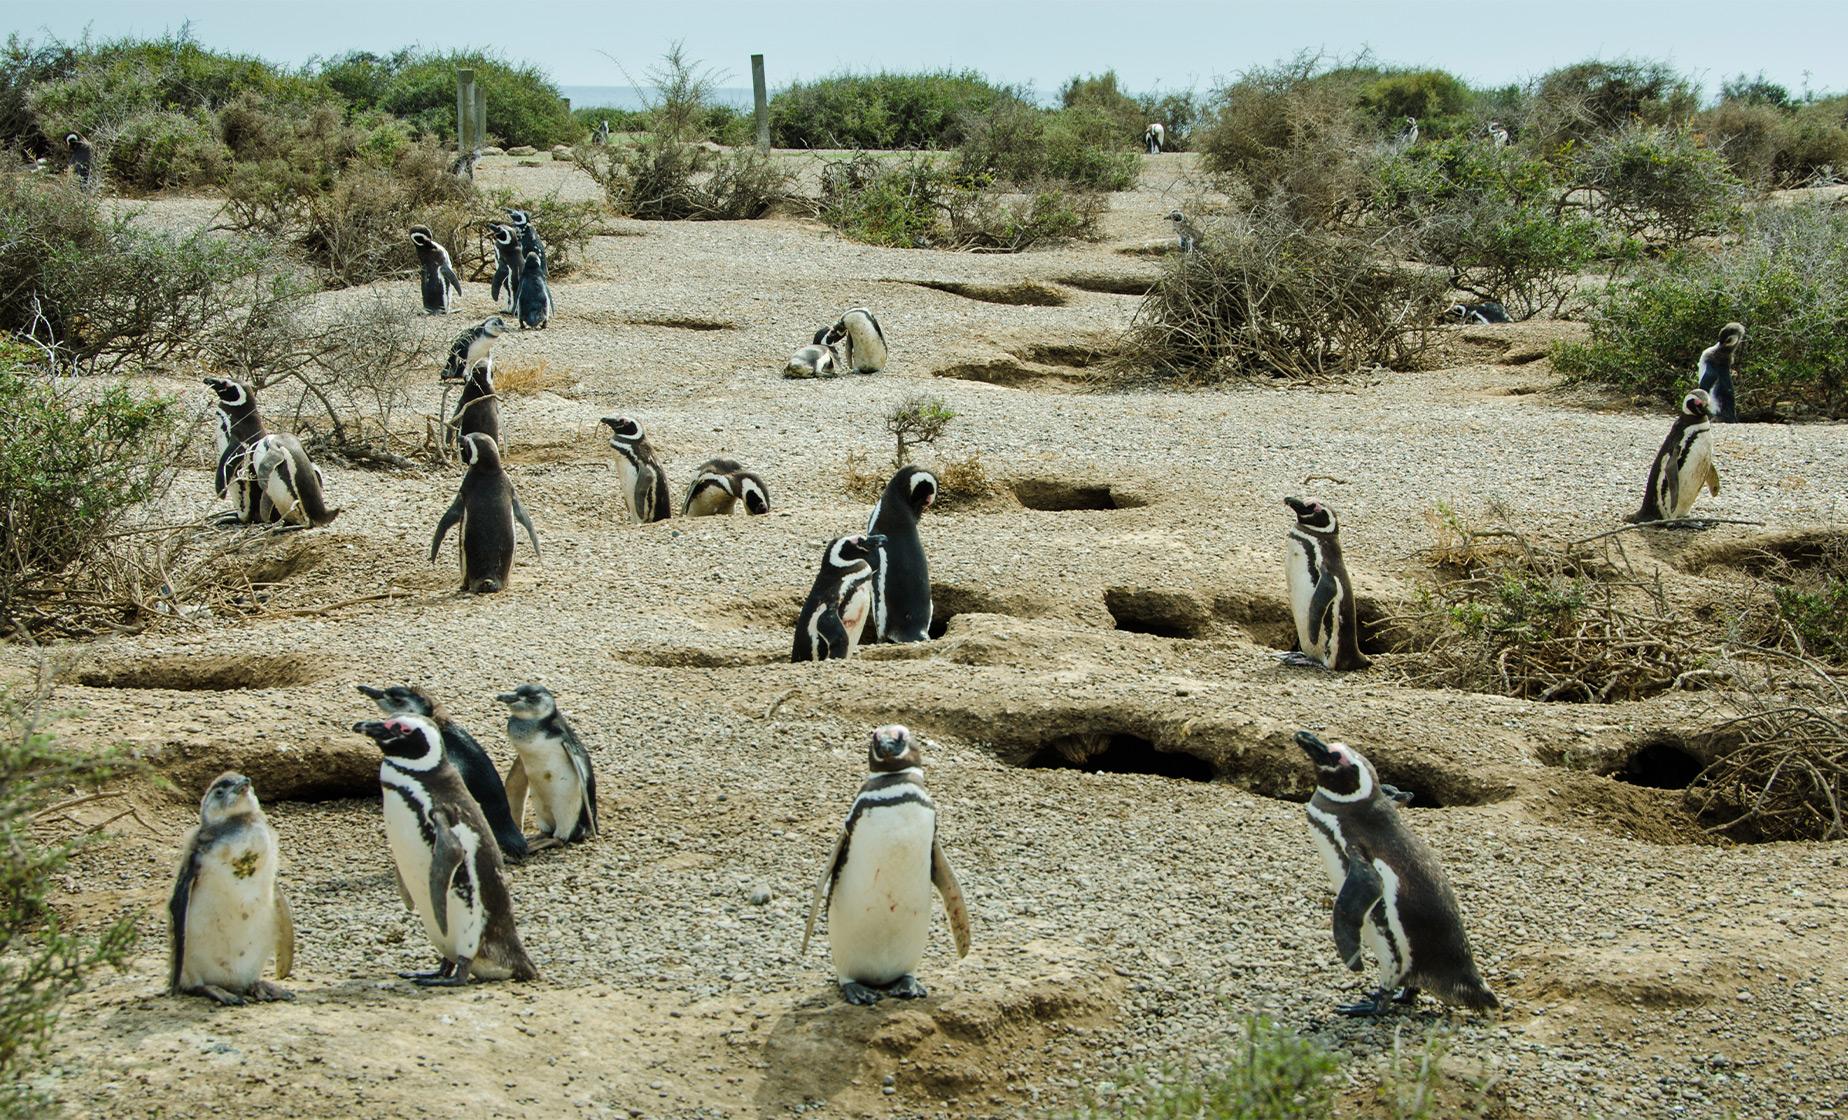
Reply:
x=874, y=540
x=371, y=693
x=1301, y=507
x=507, y=697
x=374, y=729
x=1317, y=750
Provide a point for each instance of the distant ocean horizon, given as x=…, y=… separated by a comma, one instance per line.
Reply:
x=637, y=97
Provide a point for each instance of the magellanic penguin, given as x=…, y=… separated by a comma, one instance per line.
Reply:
x=552, y=765
x=1486, y=312
x=473, y=347
x=644, y=482
x=818, y=359
x=535, y=294
x=239, y=427
x=1683, y=464
x=901, y=575
x=227, y=914
x=487, y=507
x=293, y=486
x=530, y=245
x=1153, y=136
x=466, y=755
x=447, y=863
x=833, y=619
x=1391, y=895
x=509, y=263
x=83, y=158
x=719, y=485
x=1409, y=134
x=438, y=275
x=1321, y=594
x=1498, y=135
x=477, y=409
x=878, y=880
x=1717, y=363
x=1185, y=230
x=861, y=344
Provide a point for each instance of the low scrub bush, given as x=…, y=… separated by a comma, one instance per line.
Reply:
x=1128, y=116
x=1026, y=147
x=163, y=149
x=1294, y=138
x=419, y=87
x=1786, y=279
x=1658, y=183
x=916, y=203
x=1780, y=143
x=1576, y=103
x=883, y=111
x=1440, y=101
x=620, y=120
x=1274, y=1075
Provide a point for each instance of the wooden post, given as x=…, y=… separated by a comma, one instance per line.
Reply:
x=465, y=103
x=762, y=100
x=479, y=113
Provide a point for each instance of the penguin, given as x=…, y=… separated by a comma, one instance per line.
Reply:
x=530, y=245
x=487, y=507
x=226, y=914
x=1498, y=135
x=1185, y=230
x=463, y=166
x=644, y=483
x=83, y=157
x=601, y=135
x=294, y=488
x=1391, y=895
x=240, y=426
x=1321, y=594
x=1717, y=363
x=508, y=264
x=834, y=616
x=552, y=763
x=1486, y=312
x=1408, y=135
x=451, y=875
x=466, y=755
x=719, y=485
x=862, y=344
x=1153, y=136
x=1683, y=464
x=473, y=347
x=817, y=359
x=901, y=575
x=478, y=408
x=878, y=880
x=438, y=275
x=535, y=294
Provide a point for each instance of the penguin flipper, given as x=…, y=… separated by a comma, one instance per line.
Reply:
x=404, y=895
x=953, y=906
x=832, y=633
x=445, y=857
x=450, y=516
x=519, y=513
x=177, y=905
x=285, y=937
x=1322, y=615
x=1713, y=480
x=587, y=784
x=449, y=277
x=823, y=886
x=516, y=792
x=1360, y=893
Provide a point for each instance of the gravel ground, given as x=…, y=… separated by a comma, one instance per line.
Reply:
x=1119, y=919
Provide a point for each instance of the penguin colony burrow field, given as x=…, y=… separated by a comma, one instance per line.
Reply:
x=1119, y=598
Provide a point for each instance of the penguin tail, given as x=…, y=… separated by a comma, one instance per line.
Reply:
x=1471, y=992
x=325, y=517
x=485, y=586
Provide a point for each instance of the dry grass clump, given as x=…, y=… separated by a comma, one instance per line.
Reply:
x=1787, y=777
x=965, y=481
x=861, y=479
x=530, y=378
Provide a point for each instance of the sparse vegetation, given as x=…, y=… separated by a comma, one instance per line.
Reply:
x=1782, y=766
x=883, y=111
x=1275, y=1075
x=916, y=421
x=1028, y=148
x=916, y=203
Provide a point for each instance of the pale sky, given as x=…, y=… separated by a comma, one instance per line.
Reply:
x=1150, y=43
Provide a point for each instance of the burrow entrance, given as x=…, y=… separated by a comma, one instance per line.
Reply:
x=682, y=323
x=205, y=673
x=1110, y=285
x=1022, y=294
x=1119, y=754
x=1164, y=614
x=1062, y=494
x=1660, y=762
x=950, y=599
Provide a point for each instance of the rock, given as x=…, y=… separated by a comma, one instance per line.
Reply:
x=493, y=151
x=760, y=895
x=523, y=150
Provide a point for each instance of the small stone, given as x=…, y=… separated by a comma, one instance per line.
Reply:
x=760, y=895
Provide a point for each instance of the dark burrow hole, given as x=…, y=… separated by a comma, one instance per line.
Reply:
x=1110, y=285
x=1661, y=763
x=682, y=323
x=1378, y=633
x=1118, y=754
x=947, y=600
x=1165, y=614
x=1016, y=295
x=1058, y=494
x=204, y=673
x=1774, y=554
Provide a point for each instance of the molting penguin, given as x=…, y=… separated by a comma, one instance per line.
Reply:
x=487, y=508
x=473, y=347
x=1391, y=895
x=1185, y=230
x=1717, y=363
x=719, y=485
x=477, y=409
x=438, y=276
x=1486, y=312
x=644, y=483
x=535, y=294
x=878, y=880
x=466, y=755
x=1683, y=464
x=293, y=487
x=817, y=359
x=1498, y=135
x=901, y=575
x=1153, y=136
x=448, y=867
x=862, y=344
x=227, y=914
x=83, y=157
x=1321, y=595
x=834, y=616
x=509, y=263
x=553, y=764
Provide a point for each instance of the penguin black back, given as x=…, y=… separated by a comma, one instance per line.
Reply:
x=901, y=574
x=508, y=264
x=486, y=507
x=1717, y=363
x=535, y=299
x=834, y=616
x=465, y=754
x=1682, y=465
x=478, y=408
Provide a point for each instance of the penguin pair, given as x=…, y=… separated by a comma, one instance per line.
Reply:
x=486, y=508
x=226, y=915
x=717, y=488
x=268, y=478
x=1322, y=600
x=437, y=276
x=856, y=343
x=1717, y=363
x=1683, y=464
x=533, y=288
x=878, y=880
x=1391, y=896
x=1152, y=138
x=466, y=755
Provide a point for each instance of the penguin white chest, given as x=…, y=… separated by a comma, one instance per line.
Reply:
x=856, y=607
x=231, y=914
x=631, y=496
x=879, y=912
x=1696, y=460
x=1300, y=578
x=409, y=850
x=1325, y=830
x=553, y=780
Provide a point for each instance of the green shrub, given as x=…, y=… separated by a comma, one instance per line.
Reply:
x=1026, y=147
x=1749, y=134
x=419, y=87
x=1813, y=144
x=1818, y=616
x=621, y=120
x=1575, y=103
x=1786, y=279
x=1294, y=137
x=1179, y=114
x=1100, y=95
x=882, y=111
x=916, y=203
x=42, y=960
x=162, y=149
x=1659, y=183
x=25, y=64
x=1439, y=100
x=1274, y=1076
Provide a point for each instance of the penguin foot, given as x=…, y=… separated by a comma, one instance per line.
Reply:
x=1299, y=659
x=541, y=842
x=906, y=987
x=1406, y=995
x=859, y=994
x=444, y=970
x=440, y=981
x=264, y=991
x=1375, y=1004
x=219, y=995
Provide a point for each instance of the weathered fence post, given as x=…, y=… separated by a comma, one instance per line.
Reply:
x=762, y=101
x=465, y=105
x=479, y=113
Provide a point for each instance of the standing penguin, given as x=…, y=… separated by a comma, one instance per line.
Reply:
x=878, y=880
x=446, y=861
x=818, y=359
x=487, y=507
x=292, y=485
x=509, y=263
x=1153, y=136
x=239, y=427
x=1391, y=894
x=1409, y=134
x=834, y=616
x=644, y=483
x=1185, y=230
x=1683, y=464
x=226, y=914
x=901, y=575
x=719, y=485
x=466, y=755
x=530, y=245
x=863, y=344
x=1321, y=595
x=83, y=158
x=535, y=294
x=1498, y=135
x=438, y=275
x=477, y=409
x=473, y=347
x=1717, y=363
x=553, y=764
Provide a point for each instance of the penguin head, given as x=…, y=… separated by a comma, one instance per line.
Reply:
x=914, y=486
x=532, y=260
x=1697, y=403
x=756, y=497
x=1411, y=122
x=230, y=393
x=892, y=748
x=529, y=701
x=421, y=236
x=72, y=139
x=411, y=741
x=1341, y=771
x=1731, y=335
x=852, y=552
x=822, y=337
x=519, y=217
x=1456, y=313
x=479, y=449
x=1313, y=516
x=1176, y=217
x=402, y=700
x=503, y=234
x=494, y=327
x=229, y=795
x=624, y=432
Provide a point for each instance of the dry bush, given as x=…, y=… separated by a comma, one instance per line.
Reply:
x=962, y=482
x=1296, y=139
x=1786, y=777
x=861, y=479
x=529, y=377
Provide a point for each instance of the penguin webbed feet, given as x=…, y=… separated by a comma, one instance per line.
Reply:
x=1405, y=996
x=1378, y=1003
x=859, y=994
x=264, y=991
x=1299, y=659
x=218, y=995
x=453, y=974
x=906, y=987
x=442, y=971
